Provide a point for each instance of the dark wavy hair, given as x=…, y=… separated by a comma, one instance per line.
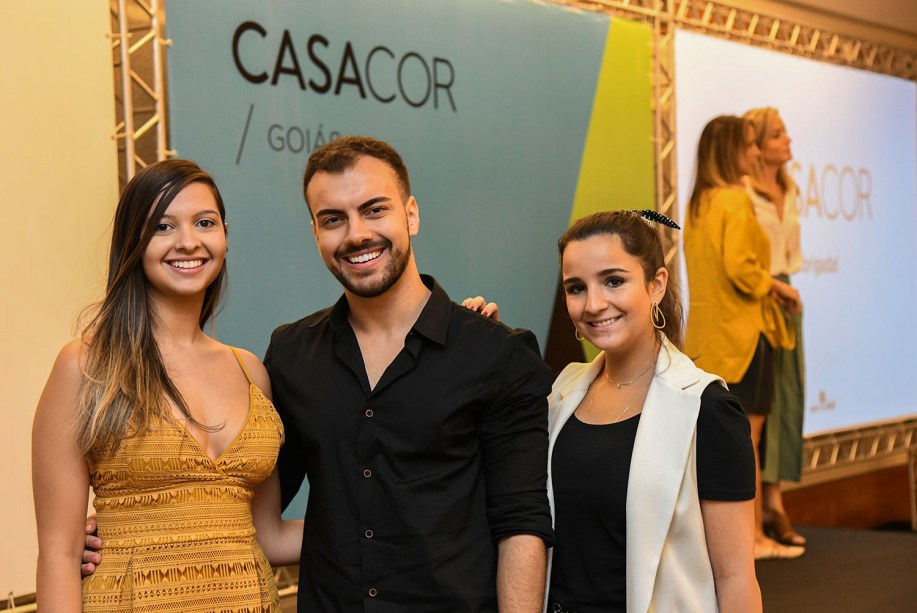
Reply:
x=642, y=240
x=125, y=384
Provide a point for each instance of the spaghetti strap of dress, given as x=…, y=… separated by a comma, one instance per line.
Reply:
x=235, y=352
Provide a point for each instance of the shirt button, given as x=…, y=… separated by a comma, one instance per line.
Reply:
x=368, y=413
x=368, y=534
x=372, y=592
x=367, y=473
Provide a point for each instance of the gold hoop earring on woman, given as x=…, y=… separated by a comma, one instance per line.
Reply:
x=578, y=336
x=657, y=316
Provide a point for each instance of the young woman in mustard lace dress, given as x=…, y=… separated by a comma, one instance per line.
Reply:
x=174, y=431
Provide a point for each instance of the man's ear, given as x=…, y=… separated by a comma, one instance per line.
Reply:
x=412, y=211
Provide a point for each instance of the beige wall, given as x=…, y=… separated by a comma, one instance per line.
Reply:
x=58, y=168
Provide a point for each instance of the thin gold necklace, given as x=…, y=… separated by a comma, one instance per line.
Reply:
x=629, y=404
x=632, y=381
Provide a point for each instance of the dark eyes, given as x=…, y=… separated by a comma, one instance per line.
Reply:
x=578, y=288
x=334, y=220
x=330, y=221
x=163, y=226
x=573, y=290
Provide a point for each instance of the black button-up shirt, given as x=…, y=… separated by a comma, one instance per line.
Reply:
x=411, y=483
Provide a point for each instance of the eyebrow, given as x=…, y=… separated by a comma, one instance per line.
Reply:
x=601, y=273
x=366, y=205
x=196, y=215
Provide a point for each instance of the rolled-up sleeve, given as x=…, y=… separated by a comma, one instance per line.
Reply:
x=514, y=439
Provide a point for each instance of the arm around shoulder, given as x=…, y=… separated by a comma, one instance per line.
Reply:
x=60, y=485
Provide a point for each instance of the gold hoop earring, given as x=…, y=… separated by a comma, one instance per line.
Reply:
x=657, y=316
x=577, y=335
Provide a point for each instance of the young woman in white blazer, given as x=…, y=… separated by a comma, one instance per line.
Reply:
x=651, y=468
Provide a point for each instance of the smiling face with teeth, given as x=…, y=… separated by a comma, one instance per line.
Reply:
x=363, y=225
x=608, y=296
x=188, y=247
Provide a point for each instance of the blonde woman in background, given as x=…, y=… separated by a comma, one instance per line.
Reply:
x=734, y=322
x=773, y=194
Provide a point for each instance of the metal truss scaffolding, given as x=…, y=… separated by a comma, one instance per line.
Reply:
x=830, y=455
x=140, y=96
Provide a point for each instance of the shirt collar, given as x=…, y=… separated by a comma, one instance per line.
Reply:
x=433, y=322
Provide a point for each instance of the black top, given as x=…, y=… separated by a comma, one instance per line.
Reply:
x=411, y=483
x=590, y=468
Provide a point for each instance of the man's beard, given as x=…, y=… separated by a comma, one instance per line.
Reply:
x=380, y=282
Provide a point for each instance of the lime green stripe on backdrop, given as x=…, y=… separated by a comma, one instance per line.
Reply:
x=617, y=167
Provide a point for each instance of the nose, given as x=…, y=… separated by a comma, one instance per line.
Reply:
x=187, y=238
x=595, y=302
x=357, y=230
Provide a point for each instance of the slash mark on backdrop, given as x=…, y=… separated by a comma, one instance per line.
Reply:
x=248, y=121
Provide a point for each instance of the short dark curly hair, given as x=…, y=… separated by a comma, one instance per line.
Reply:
x=343, y=153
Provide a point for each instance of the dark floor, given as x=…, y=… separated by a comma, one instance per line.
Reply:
x=844, y=571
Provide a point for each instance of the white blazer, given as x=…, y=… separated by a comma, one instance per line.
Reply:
x=667, y=565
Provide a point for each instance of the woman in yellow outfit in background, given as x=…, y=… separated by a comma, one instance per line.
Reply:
x=734, y=319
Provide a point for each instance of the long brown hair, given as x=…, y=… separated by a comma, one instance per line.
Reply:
x=125, y=384
x=642, y=240
x=721, y=143
x=760, y=120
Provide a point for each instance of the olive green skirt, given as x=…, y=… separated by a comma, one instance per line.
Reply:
x=783, y=430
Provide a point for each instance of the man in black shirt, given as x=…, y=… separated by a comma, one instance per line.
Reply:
x=422, y=426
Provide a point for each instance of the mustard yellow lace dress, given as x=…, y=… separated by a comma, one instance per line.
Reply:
x=177, y=526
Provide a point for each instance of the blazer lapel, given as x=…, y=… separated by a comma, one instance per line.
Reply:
x=664, y=440
x=567, y=395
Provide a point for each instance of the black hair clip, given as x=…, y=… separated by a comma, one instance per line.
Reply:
x=656, y=217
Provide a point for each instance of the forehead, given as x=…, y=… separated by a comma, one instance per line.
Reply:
x=367, y=178
x=595, y=254
x=776, y=123
x=192, y=198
